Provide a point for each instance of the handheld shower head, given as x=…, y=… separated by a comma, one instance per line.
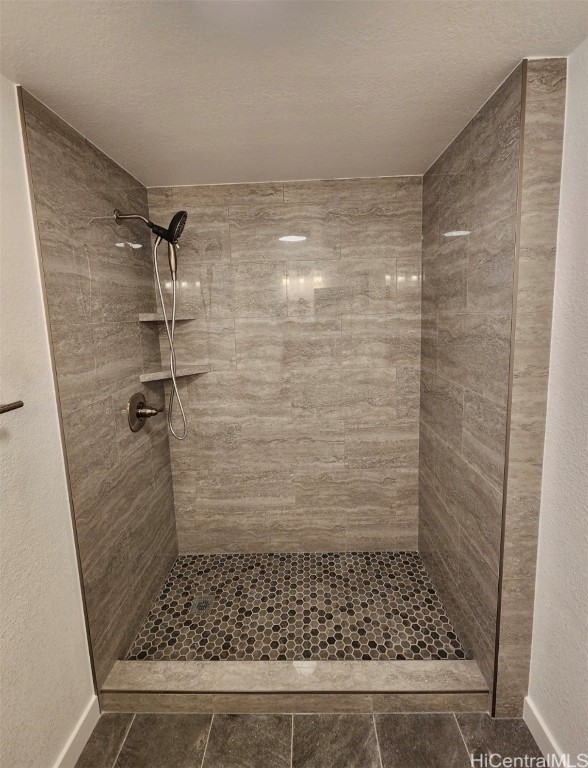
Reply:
x=175, y=229
x=171, y=234
x=176, y=226
x=172, y=258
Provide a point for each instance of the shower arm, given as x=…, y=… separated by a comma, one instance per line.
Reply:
x=118, y=217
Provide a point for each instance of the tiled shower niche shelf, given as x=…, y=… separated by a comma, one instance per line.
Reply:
x=185, y=370
x=154, y=317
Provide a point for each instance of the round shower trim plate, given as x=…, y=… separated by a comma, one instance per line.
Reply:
x=136, y=401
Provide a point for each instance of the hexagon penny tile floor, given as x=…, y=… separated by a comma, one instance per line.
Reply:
x=276, y=606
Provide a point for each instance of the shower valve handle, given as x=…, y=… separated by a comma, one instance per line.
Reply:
x=138, y=411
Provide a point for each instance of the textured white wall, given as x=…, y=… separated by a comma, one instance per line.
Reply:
x=259, y=91
x=47, y=689
x=558, y=690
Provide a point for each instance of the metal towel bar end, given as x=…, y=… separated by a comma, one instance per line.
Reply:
x=11, y=406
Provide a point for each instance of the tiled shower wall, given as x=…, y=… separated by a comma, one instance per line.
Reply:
x=467, y=314
x=120, y=482
x=304, y=435
x=545, y=94
x=487, y=300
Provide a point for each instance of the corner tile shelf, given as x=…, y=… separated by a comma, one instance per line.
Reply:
x=184, y=370
x=153, y=317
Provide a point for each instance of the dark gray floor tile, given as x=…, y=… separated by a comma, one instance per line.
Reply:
x=165, y=741
x=335, y=741
x=105, y=742
x=509, y=738
x=249, y=741
x=420, y=741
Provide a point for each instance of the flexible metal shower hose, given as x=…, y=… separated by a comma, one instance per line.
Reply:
x=174, y=393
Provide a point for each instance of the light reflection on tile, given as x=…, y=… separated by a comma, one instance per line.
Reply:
x=255, y=232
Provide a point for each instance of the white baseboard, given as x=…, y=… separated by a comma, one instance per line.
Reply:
x=539, y=730
x=81, y=733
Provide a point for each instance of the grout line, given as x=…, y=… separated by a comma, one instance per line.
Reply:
x=469, y=754
x=123, y=741
x=462, y=424
x=292, y=742
x=228, y=215
x=207, y=738
x=377, y=740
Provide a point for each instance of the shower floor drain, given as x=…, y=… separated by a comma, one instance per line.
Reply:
x=202, y=604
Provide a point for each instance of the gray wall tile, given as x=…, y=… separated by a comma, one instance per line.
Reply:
x=376, y=230
x=441, y=405
x=95, y=291
x=260, y=289
x=490, y=271
x=465, y=357
x=540, y=183
x=227, y=194
x=474, y=350
x=385, y=188
x=483, y=436
x=473, y=501
x=445, y=274
x=379, y=341
x=315, y=356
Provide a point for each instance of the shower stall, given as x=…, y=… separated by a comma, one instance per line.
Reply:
x=348, y=520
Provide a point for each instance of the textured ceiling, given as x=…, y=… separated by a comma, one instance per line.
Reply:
x=185, y=92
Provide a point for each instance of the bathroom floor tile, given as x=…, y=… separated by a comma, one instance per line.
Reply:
x=277, y=606
x=159, y=741
x=249, y=741
x=334, y=741
x=485, y=736
x=420, y=741
x=105, y=742
x=302, y=741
